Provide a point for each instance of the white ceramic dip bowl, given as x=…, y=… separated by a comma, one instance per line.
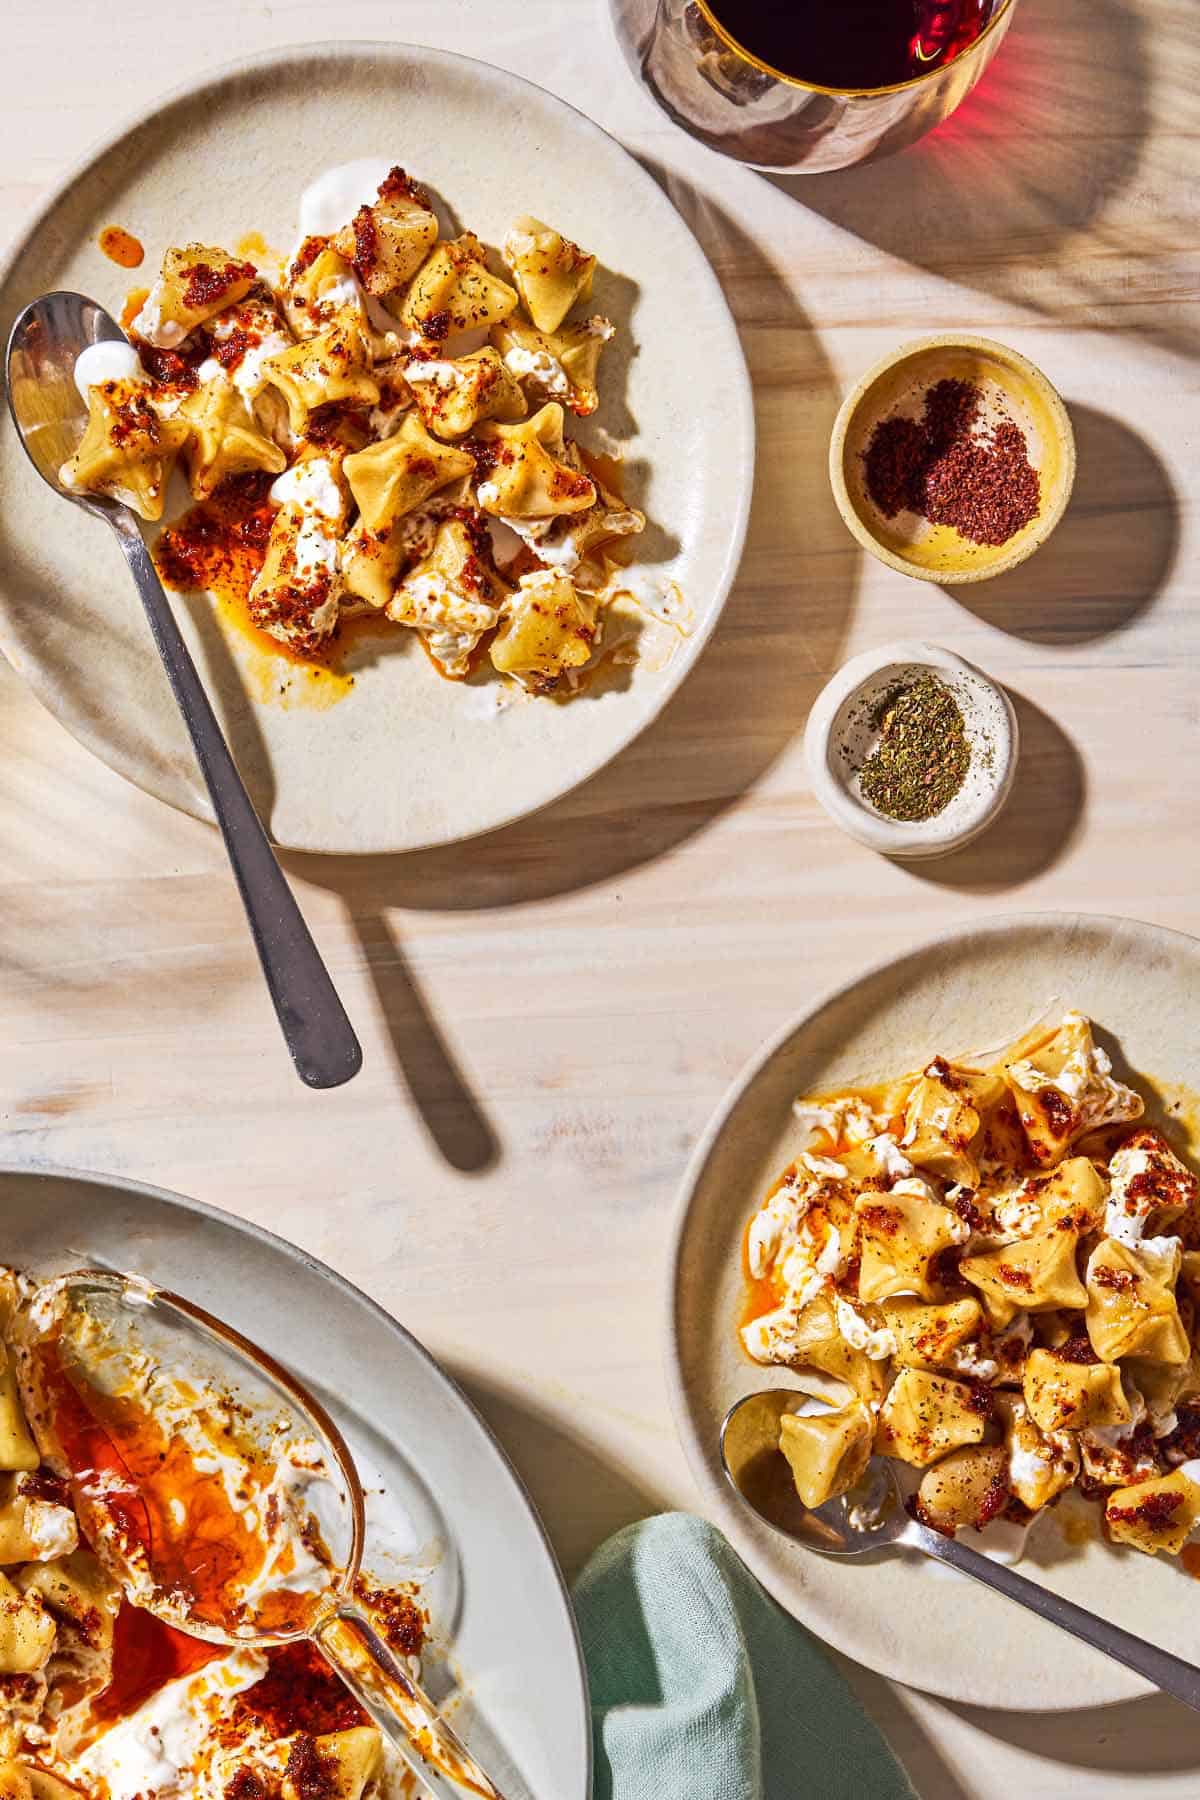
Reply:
x=843, y=730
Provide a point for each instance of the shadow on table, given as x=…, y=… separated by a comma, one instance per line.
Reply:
x=1110, y=557
x=1016, y=193
x=1154, y=1736
x=1037, y=826
x=581, y=1496
x=425, y=1062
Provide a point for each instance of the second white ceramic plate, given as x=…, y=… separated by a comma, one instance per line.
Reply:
x=501, y=1622
x=970, y=991
x=406, y=759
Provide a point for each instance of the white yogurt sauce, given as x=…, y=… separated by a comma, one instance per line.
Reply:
x=332, y=200
x=311, y=486
x=111, y=360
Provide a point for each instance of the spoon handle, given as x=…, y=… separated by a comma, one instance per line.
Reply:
x=406, y=1715
x=1170, y=1673
x=314, y=1023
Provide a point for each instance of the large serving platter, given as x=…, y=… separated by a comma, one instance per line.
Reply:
x=971, y=990
x=404, y=759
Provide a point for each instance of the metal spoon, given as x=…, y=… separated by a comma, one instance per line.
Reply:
x=872, y=1517
x=50, y=415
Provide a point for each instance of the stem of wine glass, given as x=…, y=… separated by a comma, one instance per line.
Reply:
x=403, y=1712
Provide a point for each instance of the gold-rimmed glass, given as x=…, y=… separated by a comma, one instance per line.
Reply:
x=722, y=92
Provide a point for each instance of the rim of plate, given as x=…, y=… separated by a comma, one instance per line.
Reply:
x=294, y=1253
x=353, y=49
x=712, y=1489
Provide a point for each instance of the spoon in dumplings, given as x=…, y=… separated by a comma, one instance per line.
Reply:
x=49, y=415
x=873, y=1517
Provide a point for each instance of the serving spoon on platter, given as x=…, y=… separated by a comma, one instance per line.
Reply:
x=49, y=414
x=173, y=1430
x=872, y=1517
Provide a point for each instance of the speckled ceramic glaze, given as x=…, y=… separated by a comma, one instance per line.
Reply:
x=405, y=759
x=969, y=991
x=501, y=1625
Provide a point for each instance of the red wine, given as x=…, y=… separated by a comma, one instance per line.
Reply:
x=854, y=43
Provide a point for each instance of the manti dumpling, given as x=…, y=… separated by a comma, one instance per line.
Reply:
x=1154, y=1515
x=128, y=449
x=550, y=271
x=390, y=478
x=527, y=475
x=1131, y=1304
x=196, y=282
x=33, y=1528
x=334, y=364
x=968, y=1487
x=1034, y=1274
x=926, y=1334
x=944, y=1120
x=223, y=438
x=17, y=1448
x=560, y=365
x=924, y=1416
x=27, y=1631
x=454, y=394
x=454, y=290
x=547, y=628
x=386, y=243
x=1065, y=1389
x=451, y=597
x=828, y=1451
x=295, y=597
x=900, y=1235
x=338, y=1765
x=1063, y=1085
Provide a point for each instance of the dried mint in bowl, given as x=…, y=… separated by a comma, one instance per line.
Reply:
x=923, y=753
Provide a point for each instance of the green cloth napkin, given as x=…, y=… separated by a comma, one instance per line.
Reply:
x=704, y=1689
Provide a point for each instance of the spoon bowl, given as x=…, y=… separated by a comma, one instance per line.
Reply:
x=50, y=413
x=872, y=1517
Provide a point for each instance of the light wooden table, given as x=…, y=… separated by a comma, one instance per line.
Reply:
x=550, y=1015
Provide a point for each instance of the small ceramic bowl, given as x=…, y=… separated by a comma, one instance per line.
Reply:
x=1012, y=388
x=842, y=731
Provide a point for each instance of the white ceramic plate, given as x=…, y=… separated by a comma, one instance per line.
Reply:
x=405, y=760
x=501, y=1620
x=972, y=990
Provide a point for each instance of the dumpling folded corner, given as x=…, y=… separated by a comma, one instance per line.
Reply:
x=551, y=272
x=527, y=473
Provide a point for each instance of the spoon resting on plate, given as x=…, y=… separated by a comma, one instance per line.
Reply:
x=49, y=415
x=872, y=1517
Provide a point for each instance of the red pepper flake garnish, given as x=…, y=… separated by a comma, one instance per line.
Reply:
x=366, y=242
x=208, y=283
x=396, y=185
x=300, y=1692
x=1076, y=1349
x=1155, y=1510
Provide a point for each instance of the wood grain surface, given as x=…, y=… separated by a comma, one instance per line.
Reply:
x=550, y=1014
